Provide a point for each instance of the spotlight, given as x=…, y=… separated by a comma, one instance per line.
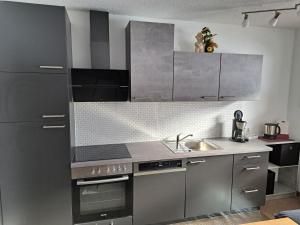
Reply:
x=246, y=21
x=273, y=22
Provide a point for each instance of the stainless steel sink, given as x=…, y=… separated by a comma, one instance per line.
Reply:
x=191, y=146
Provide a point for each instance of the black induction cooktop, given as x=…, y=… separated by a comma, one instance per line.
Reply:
x=100, y=152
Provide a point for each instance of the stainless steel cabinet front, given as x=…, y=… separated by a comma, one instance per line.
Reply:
x=118, y=221
x=208, y=185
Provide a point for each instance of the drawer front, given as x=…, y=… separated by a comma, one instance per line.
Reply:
x=249, y=180
x=119, y=221
x=251, y=159
x=247, y=198
x=249, y=171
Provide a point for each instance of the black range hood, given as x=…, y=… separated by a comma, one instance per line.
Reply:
x=97, y=85
x=100, y=83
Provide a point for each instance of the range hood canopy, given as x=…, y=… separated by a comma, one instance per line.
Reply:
x=99, y=28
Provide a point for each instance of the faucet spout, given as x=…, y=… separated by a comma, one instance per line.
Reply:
x=178, y=139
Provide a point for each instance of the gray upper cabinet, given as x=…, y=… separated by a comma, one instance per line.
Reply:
x=240, y=77
x=196, y=76
x=149, y=49
x=33, y=97
x=208, y=185
x=33, y=38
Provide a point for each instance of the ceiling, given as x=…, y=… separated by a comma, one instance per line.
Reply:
x=214, y=11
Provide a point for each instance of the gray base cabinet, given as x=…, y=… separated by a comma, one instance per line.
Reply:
x=33, y=96
x=33, y=38
x=240, y=77
x=119, y=221
x=208, y=185
x=158, y=198
x=150, y=49
x=196, y=76
x=35, y=183
x=249, y=180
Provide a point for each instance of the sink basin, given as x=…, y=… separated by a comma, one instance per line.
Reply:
x=200, y=146
x=191, y=146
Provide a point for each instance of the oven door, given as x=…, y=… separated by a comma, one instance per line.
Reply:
x=102, y=198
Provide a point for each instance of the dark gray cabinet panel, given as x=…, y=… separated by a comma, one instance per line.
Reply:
x=240, y=77
x=150, y=60
x=35, y=173
x=33, y=38
x=119, y=221
x=249, y=180
x=158, y=198
x=208, y=185
x=196, y=76
x=29, y=96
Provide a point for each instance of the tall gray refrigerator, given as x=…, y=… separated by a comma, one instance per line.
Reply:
x=35, y=57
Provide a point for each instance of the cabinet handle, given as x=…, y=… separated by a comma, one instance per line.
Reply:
x=54, y=116
x=156, y=172
x=250, y=191
x=204, y=97
x=123, y=86
x=76, y=85
x=52, y=67
x=253, y=156
x=252, y=168
x=54, y=127
x=197, y=162
x=227, y=97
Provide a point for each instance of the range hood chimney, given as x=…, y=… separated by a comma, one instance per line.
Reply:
x=99, y=28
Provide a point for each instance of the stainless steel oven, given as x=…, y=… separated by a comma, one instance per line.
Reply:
x=101, y=198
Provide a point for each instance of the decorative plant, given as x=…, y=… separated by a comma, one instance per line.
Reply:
x=205, y=42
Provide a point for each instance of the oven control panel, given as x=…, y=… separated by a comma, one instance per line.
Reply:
x=101, y=170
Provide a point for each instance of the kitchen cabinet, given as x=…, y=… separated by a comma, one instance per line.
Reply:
x=240, y=77
x=33, y=38
x=119, y=221
x=196, y=76
x=158, y=197
x=35, y=177
x=149, y=49
x=249, y=180
x=33, y=96
x=208, y=185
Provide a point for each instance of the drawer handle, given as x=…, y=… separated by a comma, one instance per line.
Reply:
x=227, y=97
x=251, y=191
x=252, y=168
x=54, y=116
x=253, y=156
x=52, y=67
x=197, y=162
x=54, y=127
x=204, y=97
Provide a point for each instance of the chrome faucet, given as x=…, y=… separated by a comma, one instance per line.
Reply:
x=179, y=140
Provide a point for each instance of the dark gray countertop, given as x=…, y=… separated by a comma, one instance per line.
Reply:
x=156, y=150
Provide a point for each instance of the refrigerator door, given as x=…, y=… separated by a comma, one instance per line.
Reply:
x=35, y=173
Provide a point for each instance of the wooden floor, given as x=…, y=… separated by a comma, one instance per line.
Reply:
x=267, y=212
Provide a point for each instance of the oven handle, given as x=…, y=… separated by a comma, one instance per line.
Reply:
x=104, y=181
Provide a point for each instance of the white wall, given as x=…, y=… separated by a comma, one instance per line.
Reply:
x=98, y=123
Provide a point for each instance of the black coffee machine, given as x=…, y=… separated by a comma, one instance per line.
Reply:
x=238, y=127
